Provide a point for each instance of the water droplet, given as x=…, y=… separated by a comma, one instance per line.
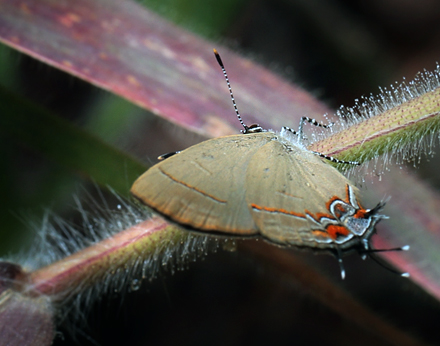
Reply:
x=135, y=284
x=230, y=245
x=119, y=206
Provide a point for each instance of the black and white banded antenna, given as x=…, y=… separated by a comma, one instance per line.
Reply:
x=257, y=128
x=247, y=129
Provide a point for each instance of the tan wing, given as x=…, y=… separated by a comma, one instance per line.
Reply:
x=203, y=186
x=283, y=182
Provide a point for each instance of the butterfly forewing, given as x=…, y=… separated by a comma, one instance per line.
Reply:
x=203, y=186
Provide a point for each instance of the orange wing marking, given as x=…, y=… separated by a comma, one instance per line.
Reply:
x=192, y=187
x=276, y=210
x=332, y=230
x=319, y=216
x=335, y=230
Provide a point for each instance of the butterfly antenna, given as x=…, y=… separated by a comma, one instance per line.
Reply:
x=247, y=129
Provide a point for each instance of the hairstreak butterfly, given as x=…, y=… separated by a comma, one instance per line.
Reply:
x=261, y=183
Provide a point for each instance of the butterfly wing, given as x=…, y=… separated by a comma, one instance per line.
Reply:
x=288, y=189
x=203, y=186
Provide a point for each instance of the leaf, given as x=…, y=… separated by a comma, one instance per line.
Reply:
x=24, y=320
x=144, y=59
x=67, y=145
